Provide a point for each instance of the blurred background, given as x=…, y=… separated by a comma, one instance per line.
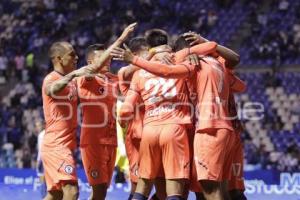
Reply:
x=266, y=34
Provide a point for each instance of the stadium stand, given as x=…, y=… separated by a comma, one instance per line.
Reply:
x=27, y=28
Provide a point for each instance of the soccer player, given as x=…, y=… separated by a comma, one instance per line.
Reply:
x=164, y=139
x=139, y=47
x=60, y=110
x=213, y=90
x=236, y=185
x=60, y=106
x=98, y=140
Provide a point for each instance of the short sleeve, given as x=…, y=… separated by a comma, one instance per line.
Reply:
x=48, y=80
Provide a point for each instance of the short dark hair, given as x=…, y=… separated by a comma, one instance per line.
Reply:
x=156, y=37
x=136, y=44
x=92, y=48
x=180, y=43
x=57, y=49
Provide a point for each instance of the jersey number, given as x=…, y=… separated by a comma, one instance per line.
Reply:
x=166, y=86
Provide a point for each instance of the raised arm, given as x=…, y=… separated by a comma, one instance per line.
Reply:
x=199, y=49
x=159, y=69
x=60, y=84
x=102, y=59
x=232, y=58
x=128, y=71
x=166, y=71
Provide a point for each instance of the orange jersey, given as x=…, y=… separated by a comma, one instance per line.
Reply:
x=98, y=97
x=165, y=100
x=212, y=87
x=60, y=113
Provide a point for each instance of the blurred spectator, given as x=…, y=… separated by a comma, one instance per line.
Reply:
x=50, y=4
x=212, y=18
x=3, y=64
x=283, y=5
x=19, y=62
x=27, y=28
x=29, y=60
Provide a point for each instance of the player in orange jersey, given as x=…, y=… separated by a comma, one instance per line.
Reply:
x=60, y=110
x=212, y=88
x=98, y=94
x=164, y=139
x=139, y=47
x=98, y=140
x=236, y=185
x=60, y=106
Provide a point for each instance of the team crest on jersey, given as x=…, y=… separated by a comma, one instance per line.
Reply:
x=70, y=97
x=94, y=173
x=101, y=90
x=69, y=169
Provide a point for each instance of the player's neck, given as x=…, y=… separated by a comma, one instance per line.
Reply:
x=60, y=70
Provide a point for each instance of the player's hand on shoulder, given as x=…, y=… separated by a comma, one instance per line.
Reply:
x=194, y=38
x=193, y=59
x=122, y=54
x=86, y=70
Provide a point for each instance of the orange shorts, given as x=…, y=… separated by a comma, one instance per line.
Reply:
x=164, y=146
x=237, y=173
x=132, y=146
x=98, y=162
x=194, y=184
x=212, y=150
x=59, y=168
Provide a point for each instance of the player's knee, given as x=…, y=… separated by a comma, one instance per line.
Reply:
x=210, y=186
x=144, y=186
x=54, y=195
x=175, y=187
x=71, y=192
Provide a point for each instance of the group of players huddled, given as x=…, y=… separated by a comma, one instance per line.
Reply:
x=182, y=129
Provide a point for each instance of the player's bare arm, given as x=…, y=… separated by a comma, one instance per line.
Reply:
x=58, y=85
x=102, y=59
x=232, y=58
x=160, y=69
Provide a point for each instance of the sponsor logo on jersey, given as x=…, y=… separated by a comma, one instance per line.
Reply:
x=160, y=110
